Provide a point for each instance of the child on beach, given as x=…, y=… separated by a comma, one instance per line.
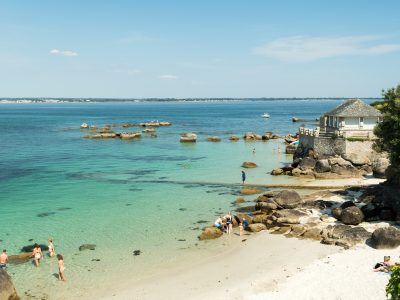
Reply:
x=240, y=229
x=61, y=267
x=51, y=248
x=385, y=265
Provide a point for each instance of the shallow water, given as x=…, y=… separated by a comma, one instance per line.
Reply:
x=149, y=194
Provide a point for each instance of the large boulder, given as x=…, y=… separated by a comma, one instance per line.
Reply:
x=210, y=233
x=249, y=164
x=337, y=212
x=277, y=171
x=289, y=216
x=347, y=204
x=313, y=233
x=345, y=171
x=384, y=238
x=288, y=199
x=352, y=216
x=322, y=166
x=256, y=227
x=307, y=163
x=357, y=159
x=344, y=235
x=379, y=167
x=7, y=289
x=290, y=149
x=188, y=137
x=338, y=161
x=266, y=206
x=370, y=210
x=251, y=136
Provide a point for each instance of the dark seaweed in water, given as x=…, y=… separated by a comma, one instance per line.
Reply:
x=137, y=252
x=201, y=222
x=30, y=248
x=90, y=175
x=135, y=190
x=64, y=208
x=151, y=158
x=182, y=209
x=45, y=214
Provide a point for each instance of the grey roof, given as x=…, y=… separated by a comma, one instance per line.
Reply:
x=354, y=108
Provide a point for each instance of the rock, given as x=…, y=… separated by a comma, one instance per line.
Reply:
x=370, y=210
x=266, y=206
x=281, y=230
x=250, y=191
x=352, y=216
x=357, y=159
x=277, y=171
x=87, y=247
x=130, y=135
x=214, y=139
x=260, y=218
x=355, y=235
x=267, y=195
x=322, y=166
x=349, y=171
x=313, y=233
x=347, y=204
x=7, y=289
x=379, y=167
x=289, y=216
x=338, y=161
x=334, y=231
x=251, y=136
x=387, y=214
x=84, y=126
x=385, y=238
x=29, y=248
x=307, y=163
x=233, y=138
x=249, y=164
x=188, y=137
x=164, y=123
x=240, y=200
x=256, y=227
x=288, y=199
x=20, y=258
x=209, y=233
x=296, y=172
x=290, y=139
x=290, y=149
x=297, y=230
x=149, y=130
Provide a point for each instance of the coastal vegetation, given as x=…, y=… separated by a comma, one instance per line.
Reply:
x=388, y=130
x=393, y=286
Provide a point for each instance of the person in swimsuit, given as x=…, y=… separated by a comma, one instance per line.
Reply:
x=51, y=248
x=218, y=223
x=229, y=222
x=384, y=266
x=240, y=229
x=61, y=267
x=3, y=260
x=37, y=254
x=243, y=177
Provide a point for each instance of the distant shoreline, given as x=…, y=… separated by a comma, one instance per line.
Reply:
x=28, y=100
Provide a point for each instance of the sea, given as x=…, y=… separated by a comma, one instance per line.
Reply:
x=141, y=202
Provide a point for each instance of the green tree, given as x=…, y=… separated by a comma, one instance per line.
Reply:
x=388, y=130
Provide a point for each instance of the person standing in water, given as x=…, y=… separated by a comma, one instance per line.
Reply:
x=243, y=177
x=37, y=254
x=61, y=267
x=51, y=248
x=3, y=260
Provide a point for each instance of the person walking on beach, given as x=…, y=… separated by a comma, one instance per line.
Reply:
x=243, y=177
x=51, y=248
x=3, y=260
x=61, y=267
x=37, y=254
x=240, y=229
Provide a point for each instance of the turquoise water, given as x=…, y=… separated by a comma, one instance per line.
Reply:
x=149, y=194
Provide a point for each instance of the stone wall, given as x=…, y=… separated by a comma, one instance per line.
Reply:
x=360, y=147
x=323, y=145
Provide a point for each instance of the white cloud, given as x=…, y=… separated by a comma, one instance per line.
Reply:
x=168, y=77
x=63, y=52
x=301, y=48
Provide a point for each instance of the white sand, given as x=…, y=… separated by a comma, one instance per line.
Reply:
x=253, y=267
x=341, y=276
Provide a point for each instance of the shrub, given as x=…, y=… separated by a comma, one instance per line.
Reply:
x=393, y=286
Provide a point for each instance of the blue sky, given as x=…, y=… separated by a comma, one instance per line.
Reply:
x=141, y=49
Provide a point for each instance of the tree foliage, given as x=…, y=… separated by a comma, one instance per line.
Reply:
x=393, y=286
x=388, y=130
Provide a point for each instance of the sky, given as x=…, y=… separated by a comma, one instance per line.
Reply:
x=198, y=49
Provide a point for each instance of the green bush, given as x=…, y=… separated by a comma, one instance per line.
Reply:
x=393, y=286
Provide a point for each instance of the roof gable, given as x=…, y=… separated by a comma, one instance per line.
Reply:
x=354, y=108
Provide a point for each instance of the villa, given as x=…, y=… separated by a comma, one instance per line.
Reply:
x=345, y=129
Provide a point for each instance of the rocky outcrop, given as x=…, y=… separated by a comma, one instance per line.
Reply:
x=322, y=166
x=277, y=171
x=386, y=238
x=149, y=130
x=7, y=289
x=344, y=235
x=352, y=216
x=249, y=164
x=288, y=199
x=210, y=233
x=234, y=138
x=357, y=159
x=290, y=149
x=250, y=191
x=251, y=136
x=214, y=139
x=288, y=216
x=130, y=135
x=188, y=138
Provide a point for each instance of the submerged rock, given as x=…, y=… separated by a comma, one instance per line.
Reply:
x=7, y=289
x=250, y=191
x=87, y=247
x=30, y=248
